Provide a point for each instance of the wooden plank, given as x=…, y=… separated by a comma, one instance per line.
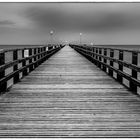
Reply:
x=68, y=96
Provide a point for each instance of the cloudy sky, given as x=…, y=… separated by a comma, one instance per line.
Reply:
x=100, y=23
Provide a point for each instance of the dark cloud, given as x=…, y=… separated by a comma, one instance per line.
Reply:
x=45, y=18
x=6, y=22
x=64, y=18
x=103, y=22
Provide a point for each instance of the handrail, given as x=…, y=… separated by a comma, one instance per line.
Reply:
x=104, y=47
x=12, y=63
x=35, y=56
x=26, y=48
x=126, y=64
x=98, y=55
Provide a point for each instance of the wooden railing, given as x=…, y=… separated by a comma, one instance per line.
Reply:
x=22, y=62
x=115, y=65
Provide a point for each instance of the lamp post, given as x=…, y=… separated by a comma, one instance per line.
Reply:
x=80, y=38
x=51, y=35
x=91, y=43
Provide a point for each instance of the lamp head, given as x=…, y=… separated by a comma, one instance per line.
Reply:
x=51, y=32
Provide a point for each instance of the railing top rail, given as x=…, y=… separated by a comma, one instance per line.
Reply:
x=25, y=48
x=111, y=48
x=119, y=49
x=34, y=59
x=14, y=62
x=101, y=60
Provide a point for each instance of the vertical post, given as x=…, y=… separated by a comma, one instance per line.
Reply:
x=88, y=49
x=91, y=54
x=24, y=64
x=3, y=86
x=97, y=57
x=105, y=61
x=49, y=47
x=46, y=57
x=38, y=53
x=92, y=50
x=133, y=86
x=119, y=77
x=38, y=56
x=44, y=50
x=15, y=68
x=111, y=62
x=35, y=65
x=30, y=61
x=100, y=58
x=42, y=54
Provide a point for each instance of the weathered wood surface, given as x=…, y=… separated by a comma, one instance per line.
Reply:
x=96, y=55
x=67, y=96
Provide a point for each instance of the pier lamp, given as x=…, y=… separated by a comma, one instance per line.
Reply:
x=81, y=38
x=51, y=35
x=91, y=43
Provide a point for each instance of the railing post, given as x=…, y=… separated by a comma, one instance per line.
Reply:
x=24, y=64
x=46, y=57
x=89, y=54
x=44, y=49
x=100, y=58
x=15, y=57
x=119, y=77
x=111, y=62
x=30, y=61
x=49, y=47
x=38, y=55
x=3, y=86
x=35, y=58
x=133, y=86
x=105, y=61
x=93, y=50
x=44, y=53
x=41, y=54
x=97, y=57
x=93, y=55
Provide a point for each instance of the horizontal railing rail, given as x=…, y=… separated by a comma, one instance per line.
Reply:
x=104, y=58
x=30, y=58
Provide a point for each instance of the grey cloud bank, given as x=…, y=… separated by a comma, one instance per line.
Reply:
x=101, y=23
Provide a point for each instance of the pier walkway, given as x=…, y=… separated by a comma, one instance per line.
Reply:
x=68, y=96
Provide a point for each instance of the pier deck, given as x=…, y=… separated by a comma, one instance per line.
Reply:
x=68, y=96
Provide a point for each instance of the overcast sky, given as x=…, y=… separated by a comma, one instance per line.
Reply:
x=100, y=23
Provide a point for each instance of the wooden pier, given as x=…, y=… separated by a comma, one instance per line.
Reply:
x=68, y=96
